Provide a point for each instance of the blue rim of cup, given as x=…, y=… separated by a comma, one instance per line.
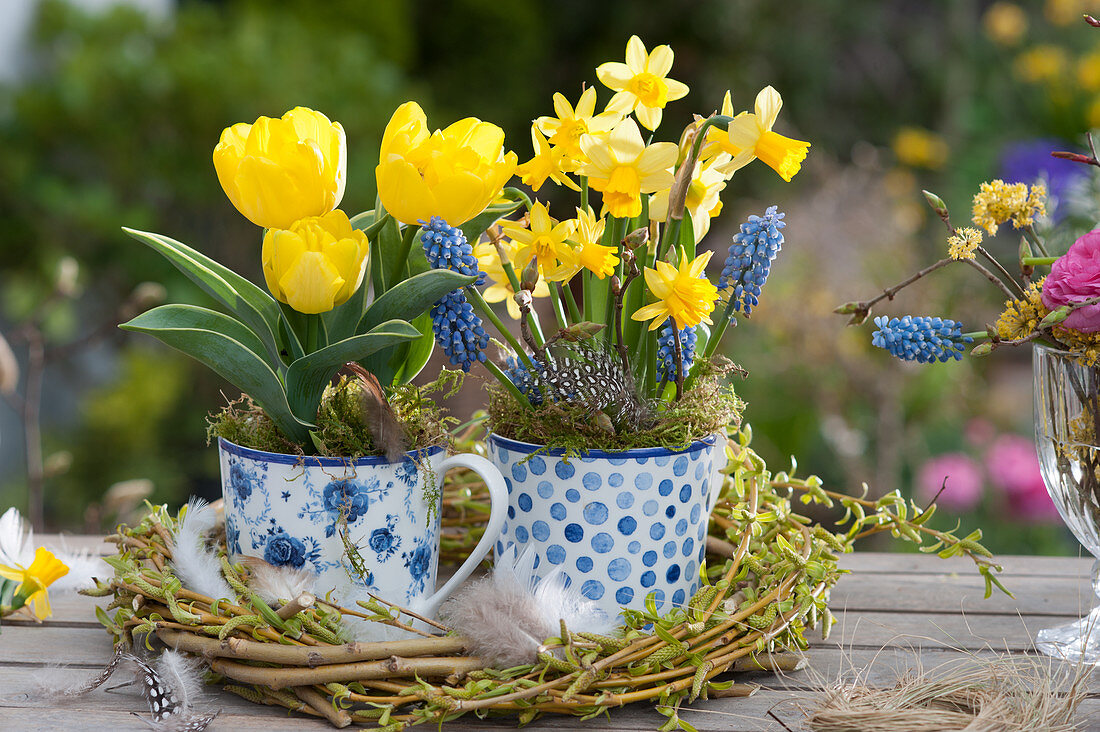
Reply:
x=638, y=452
x=314, y=461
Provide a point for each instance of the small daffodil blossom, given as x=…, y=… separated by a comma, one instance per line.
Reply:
x=623, y=168
x=702, y=200
x=43, y=572
x=453, y=173
x=564, y=131
x=641, y=84
x=543, y=240
x=587, y=252
x=682, y=293
x=549, y=162
x=717, y=140
x=590, y=254
x=500, y=287
x=276, y=171
x=316, y=264
x=751, y=137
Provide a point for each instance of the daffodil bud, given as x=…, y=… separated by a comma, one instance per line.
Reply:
x=317, y=263
x=453, y=173
x=277, y=171
x=530, y=275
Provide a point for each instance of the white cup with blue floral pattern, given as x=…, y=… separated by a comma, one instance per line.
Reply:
x=297, y=511
x=620, y=525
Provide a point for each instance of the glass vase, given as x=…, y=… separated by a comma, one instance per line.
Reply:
x=1067, y=422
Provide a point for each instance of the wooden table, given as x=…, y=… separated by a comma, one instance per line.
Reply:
x=895, y=610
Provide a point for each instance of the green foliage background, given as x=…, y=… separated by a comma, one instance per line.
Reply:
x=116, y=119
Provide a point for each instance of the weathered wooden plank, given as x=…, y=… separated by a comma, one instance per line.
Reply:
x=874, y=630
x=964, y=593
x=917, y=563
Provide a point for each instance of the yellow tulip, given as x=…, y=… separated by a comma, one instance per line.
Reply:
x=453, y=173
x=276, y=171
x=317, y=263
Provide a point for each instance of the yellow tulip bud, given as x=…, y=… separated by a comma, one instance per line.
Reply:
x=277, y=171
x=317, y=263
x=453, y=173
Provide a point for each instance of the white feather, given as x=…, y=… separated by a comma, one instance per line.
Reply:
x=273, y=583
x=507, y=615
x=16, y=540
x=196, y=566
x=83, y=568
x=183, y=675
x=17, y=548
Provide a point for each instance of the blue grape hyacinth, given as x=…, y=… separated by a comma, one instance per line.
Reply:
x=666, y=353
x=750, y=258
x=518, y=373
x=458, y=330
x=920, y=338
x=446, y=247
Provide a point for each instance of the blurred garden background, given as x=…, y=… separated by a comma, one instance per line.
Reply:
x=109, y=112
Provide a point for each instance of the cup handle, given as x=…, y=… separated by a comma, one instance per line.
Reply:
x=498, y=502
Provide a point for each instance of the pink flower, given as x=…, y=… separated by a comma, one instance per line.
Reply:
x=1014, y=468
x=1074, y=277
x=964, y=481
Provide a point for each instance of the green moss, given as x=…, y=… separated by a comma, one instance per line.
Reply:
x=708, y=407
x=341, y=430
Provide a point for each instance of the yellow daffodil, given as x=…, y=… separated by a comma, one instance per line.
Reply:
x=43, y=572
x=684, y=293
x=623, y=168
x=453, y=173
x=565, y=130
x=317, y=263
x=543, y=240
x=549, y=162
x=640, y=85
x=751, y=137
x=717, y=140
x=500, y=287
x=590, y=254
x=702, y=196
x=276, y=171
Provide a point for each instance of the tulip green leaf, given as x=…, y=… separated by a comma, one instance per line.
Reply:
x=385, y=247
x=245, y=300
x=400, y=364
x=212, y=339
x=307, y=377
x=419, y=350
x=409, y=298
x=475, y=227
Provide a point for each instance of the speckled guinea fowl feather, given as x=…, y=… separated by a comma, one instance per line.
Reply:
x=590, y=376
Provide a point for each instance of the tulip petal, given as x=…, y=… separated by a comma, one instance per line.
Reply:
x=403, y=193
x=461, y=196
x=311, y=284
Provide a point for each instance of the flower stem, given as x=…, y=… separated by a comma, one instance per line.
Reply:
x=1032, y=237
x=1006, y=277
x=567, y=295
x=518, y=395
x=559, y=308
x=483, y=307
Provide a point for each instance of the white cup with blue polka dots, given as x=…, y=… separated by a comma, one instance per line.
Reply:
x=620, y=525
x=292, y=511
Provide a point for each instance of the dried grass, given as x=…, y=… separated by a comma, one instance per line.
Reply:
x=1007, y=693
